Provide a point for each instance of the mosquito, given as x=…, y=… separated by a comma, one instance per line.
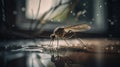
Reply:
x=63, y=32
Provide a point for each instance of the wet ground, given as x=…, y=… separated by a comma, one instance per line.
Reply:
x=39, y=53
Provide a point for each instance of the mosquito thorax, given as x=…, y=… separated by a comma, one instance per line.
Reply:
x=59, y=31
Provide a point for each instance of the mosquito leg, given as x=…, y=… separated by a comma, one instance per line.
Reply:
x=73, y=34
x=83, y=44
x=51, y=45
x=66, y=42
x=57, y=42
x=53, y=49
x=79, y=40
x=57, y=49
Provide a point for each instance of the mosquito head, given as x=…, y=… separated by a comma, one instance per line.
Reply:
x=52, y=36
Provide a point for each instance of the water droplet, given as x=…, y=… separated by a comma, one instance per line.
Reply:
x=97, y=14
x=100, y=6
x=71, y=11
x=23, y=9
x=84, y=4
x=112, y=23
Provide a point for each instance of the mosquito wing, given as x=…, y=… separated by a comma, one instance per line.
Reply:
x=78, y=28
